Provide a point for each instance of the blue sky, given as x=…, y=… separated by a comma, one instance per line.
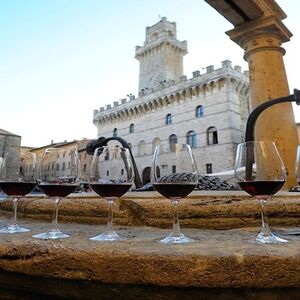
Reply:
x=61, y=59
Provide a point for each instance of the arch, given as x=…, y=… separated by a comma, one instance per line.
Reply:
x=191, y=139
x=172, y=98
x=160, y=101
x=212, y=135
x=150, y=106
x=166, y=100
x=168, y=119
x=155, y=143
x=199, y=111
x=142, y=148
x=146, y=175
x=131, y=112
x=172, y=141
x=145, y=107
x=131, y=128
x=115, y=132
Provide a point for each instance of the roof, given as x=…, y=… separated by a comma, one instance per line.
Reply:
x=4, y=132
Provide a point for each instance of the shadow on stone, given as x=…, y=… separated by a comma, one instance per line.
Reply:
x=25, y=287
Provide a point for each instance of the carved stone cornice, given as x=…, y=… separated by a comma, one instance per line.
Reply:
x=180, y=46
x=139, y=108
x=270, y=26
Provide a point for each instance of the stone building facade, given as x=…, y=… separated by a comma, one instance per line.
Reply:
x=207, y=111
x=10, y=142
x=62, y=163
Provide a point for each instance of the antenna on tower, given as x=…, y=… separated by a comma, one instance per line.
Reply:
x=161, y=18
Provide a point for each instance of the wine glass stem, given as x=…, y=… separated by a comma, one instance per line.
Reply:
x=110, y=203
x=55, y=213
x=15, y=209
x=176, y=225
x=265, y=229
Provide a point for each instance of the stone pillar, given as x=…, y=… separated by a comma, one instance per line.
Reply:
x=261, y=40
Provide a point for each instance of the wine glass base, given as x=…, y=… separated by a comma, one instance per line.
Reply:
x=53, y=234
x=13, y=229
x=177, y=239
x=107, y=236
x=270, y=239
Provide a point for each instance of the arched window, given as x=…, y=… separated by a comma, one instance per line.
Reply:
x=168, y=119
x=106, y=154
x=115, y=132
x=191, y=138
x=155, y=143
x=199, y=111
x=142, y=148
x=131, y=128
x=212, y=135
x=172, y=141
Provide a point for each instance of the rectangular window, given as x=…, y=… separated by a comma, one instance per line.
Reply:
x=173, y=169
x=57, y=167
x=84, y=168
x=208, y=168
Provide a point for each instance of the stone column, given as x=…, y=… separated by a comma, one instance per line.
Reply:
x=261, y=40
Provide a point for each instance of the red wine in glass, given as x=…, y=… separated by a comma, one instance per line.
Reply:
x=17, y=179
x=111, y=176
x=57, y=190
x=16, y=188
x=261, y=188
x=174, y=190
x=111, y=190
x=259, y=171
x=174, y=186
x=57, y=183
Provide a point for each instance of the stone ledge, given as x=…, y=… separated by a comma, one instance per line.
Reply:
x=211, y=210
x=220, y=258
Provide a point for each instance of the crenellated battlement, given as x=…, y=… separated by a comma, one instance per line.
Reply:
x=168, y=91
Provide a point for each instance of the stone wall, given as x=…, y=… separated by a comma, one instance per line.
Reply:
x=10, y=143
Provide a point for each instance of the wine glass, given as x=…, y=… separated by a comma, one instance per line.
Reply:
x=174, y=175
x=260, y=171
x=58, y=176
x=295, y=231
x=111, y=176
x=17, y=179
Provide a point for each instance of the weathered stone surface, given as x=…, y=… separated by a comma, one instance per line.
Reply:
x=214, y=210
x=219, y=259
x=139, y=267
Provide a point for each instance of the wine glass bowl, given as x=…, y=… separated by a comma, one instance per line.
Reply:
x=111, y=176
x=17, y=179
x=58, y=176
x=260, y=172
x=174, y=182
